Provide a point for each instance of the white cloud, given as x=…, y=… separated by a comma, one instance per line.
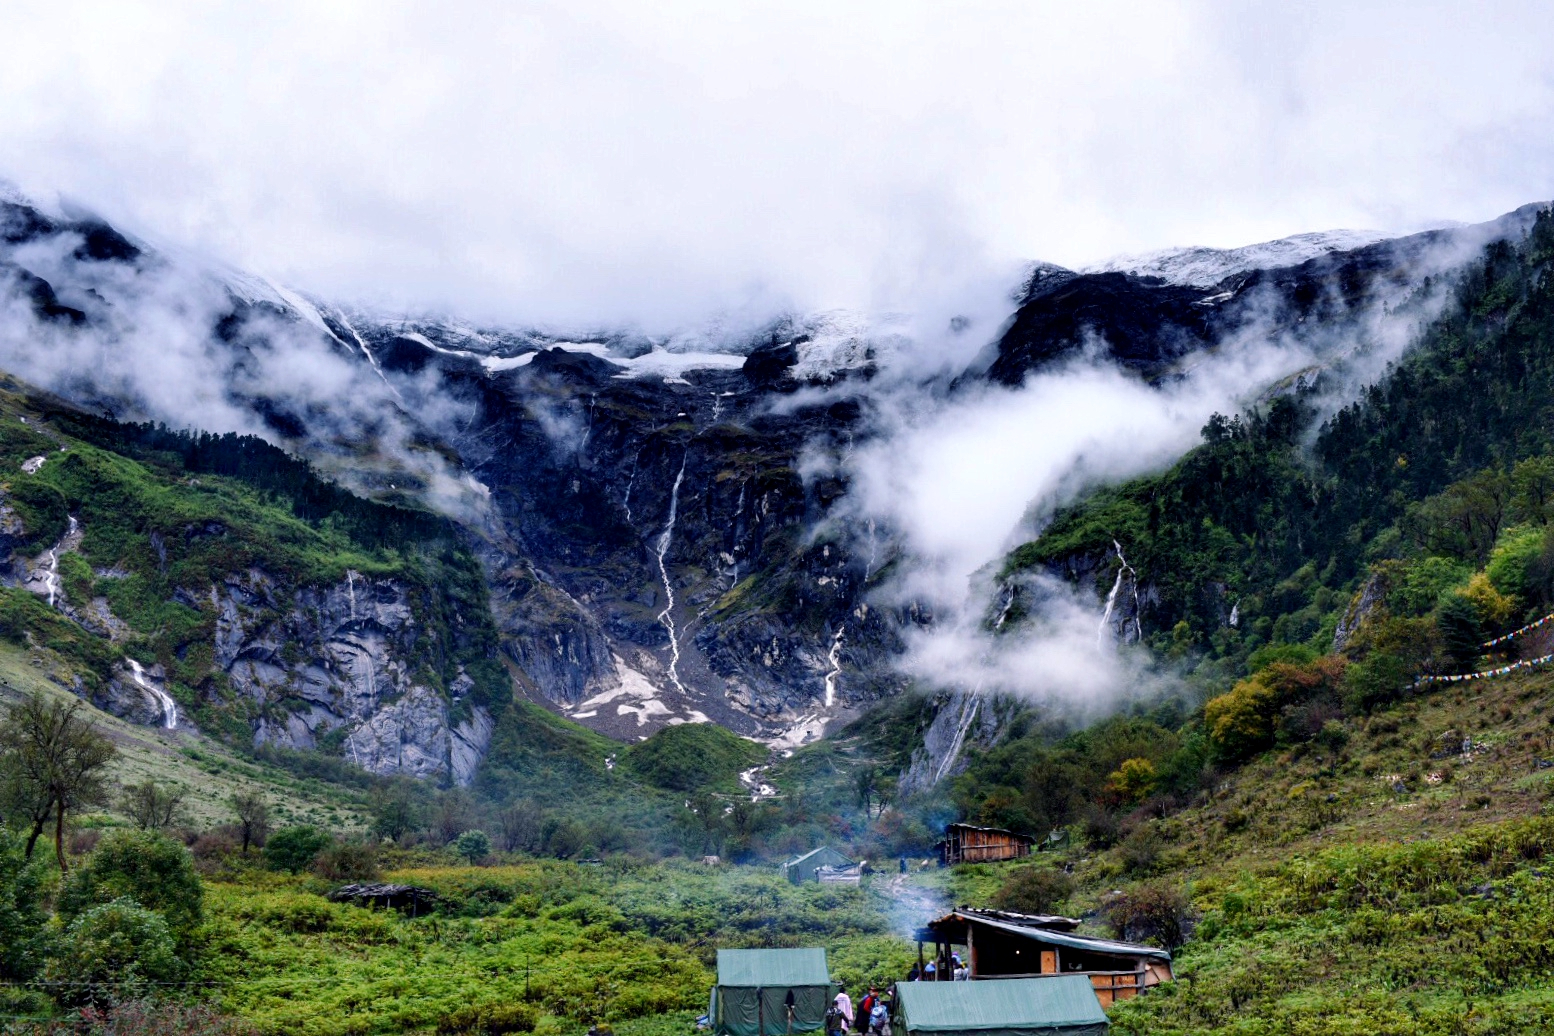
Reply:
x=599, y=162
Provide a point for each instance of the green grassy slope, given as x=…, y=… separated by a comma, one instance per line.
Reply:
x=206, y=770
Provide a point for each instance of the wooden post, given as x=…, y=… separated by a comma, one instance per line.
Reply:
x=971, y=951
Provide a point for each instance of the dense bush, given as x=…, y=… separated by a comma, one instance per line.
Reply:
x=143, y=867
x=114, y=951
x=22, y=937
x=1155, y=912
x=1034, y=890
x=488, y=1020
x=294, y=849
x=347, y=861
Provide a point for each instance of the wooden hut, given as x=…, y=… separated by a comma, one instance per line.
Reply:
x=965, y=843
x=804, y=868
x=1065, y=1005
x=1002, y=945
x=770, y=992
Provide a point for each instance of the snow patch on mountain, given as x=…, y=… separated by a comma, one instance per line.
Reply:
x=1202, y=267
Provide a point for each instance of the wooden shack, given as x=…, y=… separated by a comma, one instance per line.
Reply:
x=1002, y=945
x=805, y=868
x=965, y=843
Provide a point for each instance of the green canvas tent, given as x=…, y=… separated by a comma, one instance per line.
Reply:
x=1063, y=1005
x=770, y=992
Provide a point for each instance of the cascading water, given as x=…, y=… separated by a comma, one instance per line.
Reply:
x=835, y=658
x=169, y=707
x=372, y=360
x=51, y=577
x=350, y=583
x=868, y=568
x=630, y=481
x=968, y=713
x=1003, y=613
x=664, y=540
x=1123, y=569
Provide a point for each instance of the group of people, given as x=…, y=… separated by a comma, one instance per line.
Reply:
x=872, y=1017
x=932, y=971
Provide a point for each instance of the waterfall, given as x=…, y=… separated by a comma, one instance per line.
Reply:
x=868, y=568
x=632, y=478
x=967, y=715
x=169, y=707
x=835, y=658
x=371, y=359
x=350, y=583
x=1123, y=569
x=588, y=429
x=51, y=577
x=667, y=615
x=1235, y=614
x=1003, y=613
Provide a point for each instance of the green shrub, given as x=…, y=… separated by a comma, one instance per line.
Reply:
x=147, y=868
x=1155, y=912
x=294, y=849
x=22, y=915
x=347, y=861
x=692, y=756
x=1034, y=890
x=115, y=951
x=488, y=1020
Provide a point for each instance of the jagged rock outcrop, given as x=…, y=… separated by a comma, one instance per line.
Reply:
x=324, y=658
x=1371, y=595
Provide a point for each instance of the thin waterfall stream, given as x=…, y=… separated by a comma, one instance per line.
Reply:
x=664, y=540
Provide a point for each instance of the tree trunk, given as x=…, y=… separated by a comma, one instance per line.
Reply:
x=37, y=832
x=59, y=835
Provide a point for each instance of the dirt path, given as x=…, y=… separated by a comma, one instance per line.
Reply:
x=912, y=904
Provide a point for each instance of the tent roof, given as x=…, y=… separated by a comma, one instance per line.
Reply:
x=823, y=849
x=1047, y=935
x=773, y=968
x=1008, y=1004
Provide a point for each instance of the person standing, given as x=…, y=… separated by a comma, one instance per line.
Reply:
x=866, y=1007
x=843, y=1006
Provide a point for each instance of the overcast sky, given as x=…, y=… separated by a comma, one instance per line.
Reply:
x=657, y=162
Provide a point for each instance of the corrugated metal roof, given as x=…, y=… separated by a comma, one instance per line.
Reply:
x=1077, y=942
x=1011, y=1004
x=773, y=968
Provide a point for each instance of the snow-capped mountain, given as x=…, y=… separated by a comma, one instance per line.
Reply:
x=1202, y=267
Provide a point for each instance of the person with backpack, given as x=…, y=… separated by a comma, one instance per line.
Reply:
x=866, y=1007
x=879, y=1017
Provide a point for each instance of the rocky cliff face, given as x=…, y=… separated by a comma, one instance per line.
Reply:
x=657, y=558
x=219, y=623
